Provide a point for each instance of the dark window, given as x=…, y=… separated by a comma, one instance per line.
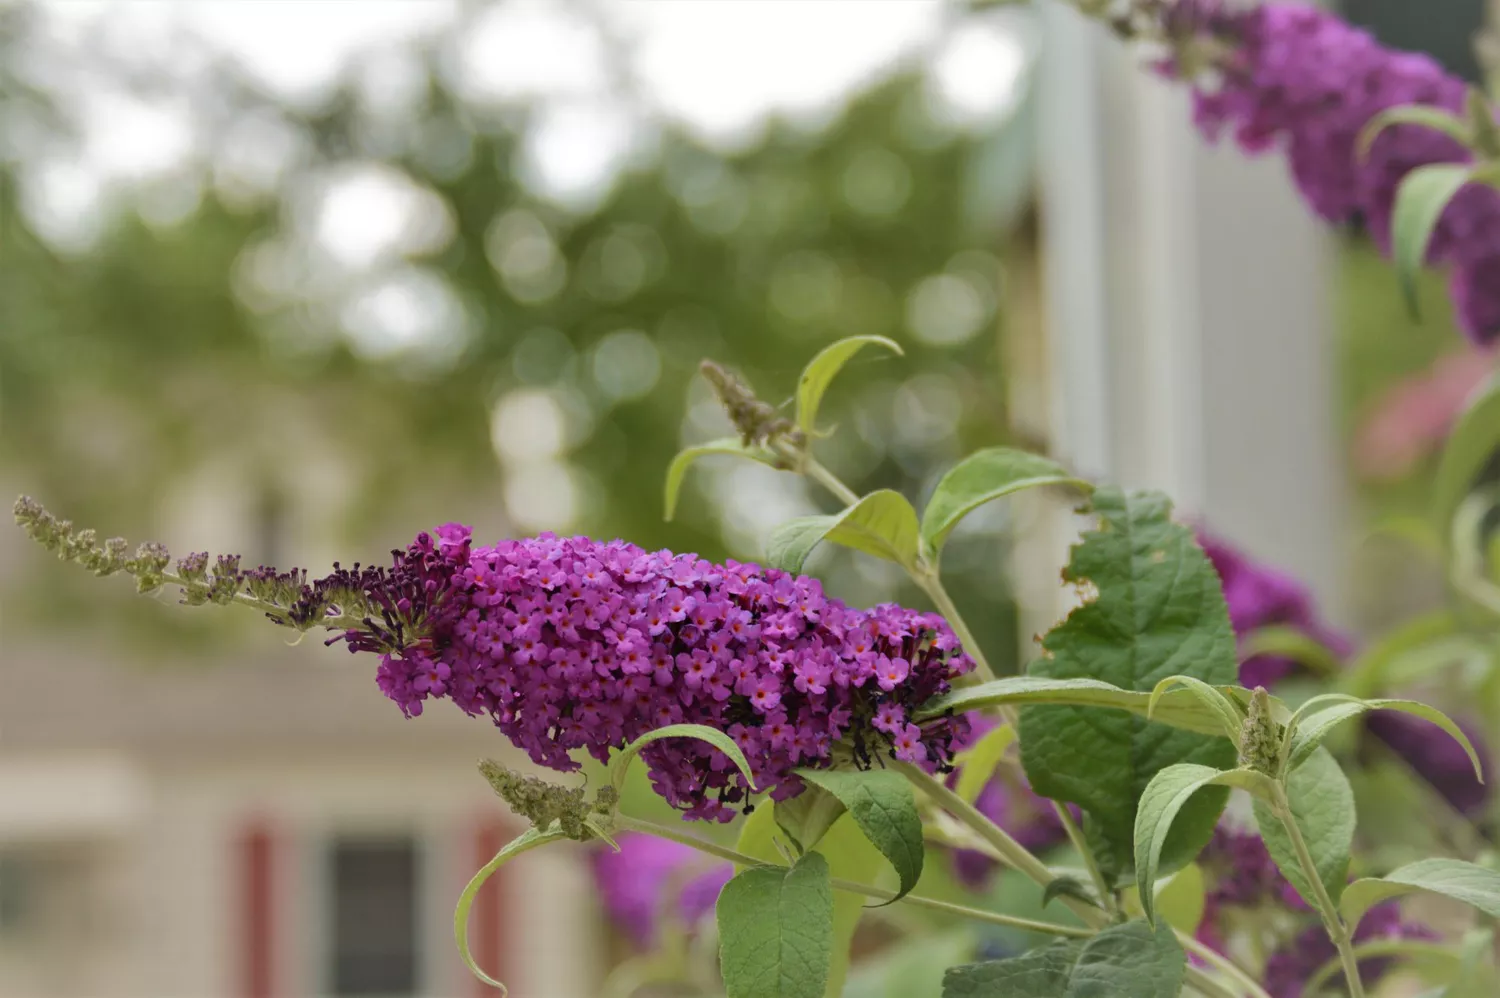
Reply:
x=374, y=912
x=1444, y=29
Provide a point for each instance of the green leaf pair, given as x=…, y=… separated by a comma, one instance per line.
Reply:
x=1125, y=961
x=885, y=525
x=814, y=382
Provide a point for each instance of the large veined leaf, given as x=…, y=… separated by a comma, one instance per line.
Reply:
x=882, y=523
x=1469, y=883
x=850, y=857
x=1165, y=797
x=1471, y=446
x=982, y=477
x=776, y=930
x=882, y=804
x=820, y=371
x=1323, y=806
x=1124, y=961
x=1420, y=200
x=1154, y=609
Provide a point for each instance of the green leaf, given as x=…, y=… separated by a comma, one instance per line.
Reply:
x=1070, y=887
x=1176, y=708
x=820, y=371
x=850, y=857
x=1435, y=118
x=1420, y=200
x=526, y=841
x=685, y=457
x=1157, y=611
x=1451, y=878
x=776, y=930
x=702, y=732
x=1316, y=725
x=881, y=802
x=882, y=523
x=1124, y=961
x=983, y=476
x=1297, y=645
x=806, y=817
x=1164, y=798
x=977, y=763
x=1471, y=445
x=1323, y=806
x=1231, y=719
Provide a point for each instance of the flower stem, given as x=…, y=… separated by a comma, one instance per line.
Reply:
x=1011, y=852
x=814, y=470
x=1337, y=931
x=628, y=823
x=1227, y=967
x=1080, y=844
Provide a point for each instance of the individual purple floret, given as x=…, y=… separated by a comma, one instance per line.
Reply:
x=1260, y=596
x=639, y=880
x=1298, y=79
x=1289, y=968
x=570, y=643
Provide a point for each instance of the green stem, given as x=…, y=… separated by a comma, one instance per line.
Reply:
x=812, y=469
x=627, y=823
x=1080, y=844
x=343, y=622
x=1379, y=947
x=1012, y=853
x=1227, y=967
x=933, y=587
x=1334, y=925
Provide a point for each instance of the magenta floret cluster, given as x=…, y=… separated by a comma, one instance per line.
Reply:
x=570, y=643
x=1301, y=80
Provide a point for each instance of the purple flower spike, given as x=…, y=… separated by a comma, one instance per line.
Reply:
x=569, y=643
x=1301, y=80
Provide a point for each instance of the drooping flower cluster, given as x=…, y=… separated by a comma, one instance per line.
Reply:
x=1296, y=78
x=1247, y=890
x=569, y=643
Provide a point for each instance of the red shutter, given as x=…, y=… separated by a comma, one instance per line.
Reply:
x=254, y=859
x=487, y=921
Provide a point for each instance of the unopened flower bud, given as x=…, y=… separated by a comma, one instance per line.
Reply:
x=1260, y=737
x=757, y=421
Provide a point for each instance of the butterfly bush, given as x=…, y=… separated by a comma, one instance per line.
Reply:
x=1295, y=78
x=1246, y=886
x=570, y=643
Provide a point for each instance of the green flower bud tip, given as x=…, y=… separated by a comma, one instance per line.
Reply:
x=1260, y=737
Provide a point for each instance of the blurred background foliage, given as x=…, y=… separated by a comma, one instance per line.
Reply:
x=333, y=324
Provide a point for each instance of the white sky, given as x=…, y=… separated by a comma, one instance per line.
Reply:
x=721, y=67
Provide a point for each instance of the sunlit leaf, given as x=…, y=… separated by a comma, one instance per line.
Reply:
x=821, y=370
x=684, y=459
x=882, y=523
x=983, y=477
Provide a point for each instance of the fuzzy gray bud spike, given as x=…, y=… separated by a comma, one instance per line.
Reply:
x=544, y=804
x=756, y=421
x=1260, y=737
